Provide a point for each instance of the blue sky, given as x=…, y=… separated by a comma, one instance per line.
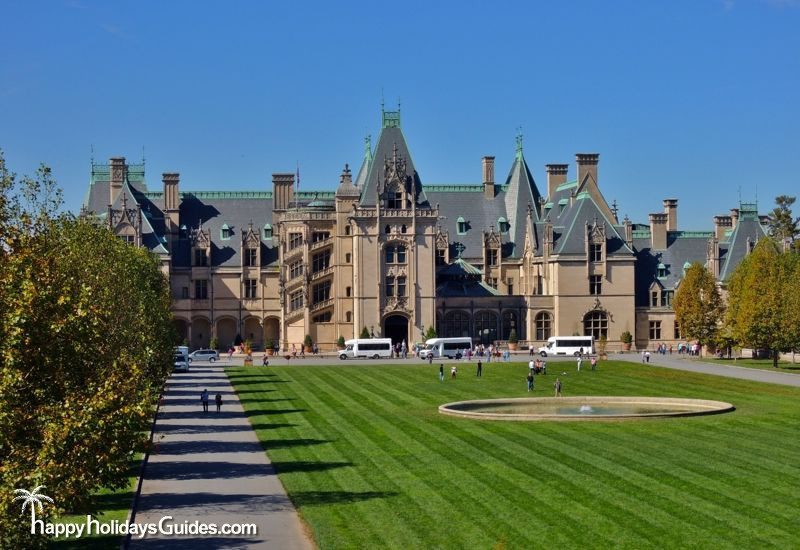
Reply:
x=687, y=99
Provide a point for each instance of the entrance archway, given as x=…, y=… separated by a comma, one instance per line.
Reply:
x=201, y=333
x=272, y=331
x=226, y=332
x=396, y=328
x=252, y=331
x=182, y=330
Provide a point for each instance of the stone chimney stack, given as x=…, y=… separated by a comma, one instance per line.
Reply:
x=721, y=224
x=658, y=231
x=734, y=217
x=587, y=166
x=282, y=191
x=671, y=210
x=556, y=175
x=172, y=202
x=119, y=172
x=488, y=177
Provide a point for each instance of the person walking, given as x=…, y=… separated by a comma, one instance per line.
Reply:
x=480, y=369
x=544, y=366
x=430, y=358
x=532, y=365
x=453, y=372
x=230, y=353
x=580, y=360
x=594, y=363
x=265, y=361
x=557, y=387
x=530, y=380
x=441, y=372
x=204, y=400
x=643, y=357
x=647, y=356
x=218, y=400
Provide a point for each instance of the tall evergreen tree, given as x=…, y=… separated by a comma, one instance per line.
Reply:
x=764, y=311
x=782, y=224
x=698, y=305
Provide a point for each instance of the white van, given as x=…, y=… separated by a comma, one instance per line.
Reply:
x=373, y=348
x=445, y=347
x=568, y=345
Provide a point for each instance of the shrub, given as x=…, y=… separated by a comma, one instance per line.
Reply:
x=308, y=342
x=364, y=333
x=512, y=338
x=214, y=344
x=430, y=333
x=626, y=337
x=340, y=342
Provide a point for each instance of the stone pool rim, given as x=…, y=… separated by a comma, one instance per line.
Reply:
x=704, y=407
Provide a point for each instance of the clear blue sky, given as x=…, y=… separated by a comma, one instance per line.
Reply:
x=692, y=99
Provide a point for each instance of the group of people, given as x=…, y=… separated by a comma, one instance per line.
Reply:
x=204, y=401
x=400, y=350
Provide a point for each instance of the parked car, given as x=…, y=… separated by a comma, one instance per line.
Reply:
x=204, y=355
x=180, y=362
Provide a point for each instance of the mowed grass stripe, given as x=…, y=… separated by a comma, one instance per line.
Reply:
x=441, y=435
x=352, y=413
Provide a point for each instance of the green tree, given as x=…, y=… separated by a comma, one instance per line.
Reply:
x=698, y=305
x=764, y=310
x=86, y=338
x=364, y=333
x=430, y=333
x=782, y=225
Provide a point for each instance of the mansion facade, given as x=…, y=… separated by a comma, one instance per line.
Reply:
x=386, y=252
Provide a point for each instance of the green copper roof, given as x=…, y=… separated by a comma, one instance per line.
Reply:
x=548, y=205
x=692, y=234
x=567, y=185
x=583, y=195
x=641, y=233
x=461, y=188
x=315, y=195
x=562, y=202
x=222, y=194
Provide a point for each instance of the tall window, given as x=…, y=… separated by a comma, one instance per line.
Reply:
x=296, y=300
x=401, y=287
x=677, y=331
x=486, y=326
x=461, y=226
x=389, y=286
x=321, y=292
x=348, y=291
x=654, y=298
x=595, y=324
x=295, y=240
x=250, y=288
x=346, y=229
x=544, y=325
x=595, y=284
x=666, y=298
x=456, y=323
x=509, y=322
x=226, y=232
x=347, y=258
x=348, y=316
x=492, y=282
x=184, y=292
x=201, y=289
x=395, y=254
x=318, y=236
x=655, y=330
x=441, y=257
x=595, y=252
x=510, y=285
x=320, y=261
x=250, y=257
x=539, y=286
x=200, y=257
x=493, y=255
x=394, y=199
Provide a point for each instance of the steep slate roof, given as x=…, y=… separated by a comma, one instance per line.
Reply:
x=572, y=229
x=462, y=279
x=682, y=247
x=747, y=228
x=151, y=239
x=391, y=137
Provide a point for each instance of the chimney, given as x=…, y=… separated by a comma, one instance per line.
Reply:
x=671, y=210
x=172, y=202
x=556, y=175
x=282, y=191
x=658, y=231
x=488, y=177
x=721, y=224
x=587, y=166
x=734, y=217
x=118, y=176
x=628, y=231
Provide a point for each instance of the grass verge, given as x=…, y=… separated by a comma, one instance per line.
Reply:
x=369, y=462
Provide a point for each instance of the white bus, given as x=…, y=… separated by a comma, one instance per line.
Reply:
x=373, y=348
x=568, y=345
x=445, y=347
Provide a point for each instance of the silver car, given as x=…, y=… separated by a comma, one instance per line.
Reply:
x=179, y=363
x=204, y=355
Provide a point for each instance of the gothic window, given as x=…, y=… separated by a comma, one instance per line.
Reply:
x=401, y=287
x=200, y=257
x=318, y=236
x=544, y=324
x=486, y=327
x=296, y=300
x=666, y=298
x=323, y=317
x=493, y=254
x=347, y=230
x=320, y=261
x=250, y=257
x=655, y=330
x=595, y=284
x=396, y=254
x=509, y=323
x=295, y=240
x=441, y=257
x=595, y=252
x=394, y=200
x=389, y=286
x=201, y=289
x=595, y=324
x=403, y=228
x=456, y=324
x=321, y=292
x=654, y=298
x=295, y=270
x=250, y=288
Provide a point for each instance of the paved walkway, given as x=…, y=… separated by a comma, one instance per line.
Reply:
x=211, y=468
x=680, y=362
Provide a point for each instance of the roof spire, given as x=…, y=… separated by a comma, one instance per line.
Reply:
x=519, y=143
x=368, y=148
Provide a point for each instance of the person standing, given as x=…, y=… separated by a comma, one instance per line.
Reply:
x=219, y=401
x=557, y=387
x=230, y=353
x=441, y=372
x=453, y=372
x=647, y=356
x=480, y=369
x=532, y=365
x=594, y=363
x=643, y=357
x=544, y=366
x=580, y=360
x=430, y=358
x=204, y=400
x=265, y=361
x=530, y=380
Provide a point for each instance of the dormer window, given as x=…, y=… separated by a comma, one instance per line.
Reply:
x=250, y=257
x=503, y=225
x=461, y=226
x=394, y=200
x=595, y=252
x=200, y=257
x=267, y=232
x=661, y=271
x=225, y=232
x=492, y=255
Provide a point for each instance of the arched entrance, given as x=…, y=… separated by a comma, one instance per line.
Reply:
x=396, y=328
x=201, y=333
x=253, y=332
x=226, y=332
x=182, y=330
x=272, y=331
x=485, y=327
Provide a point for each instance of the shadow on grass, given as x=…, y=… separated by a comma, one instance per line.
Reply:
x=286, y=443
x=267, y=412
x=323, y=498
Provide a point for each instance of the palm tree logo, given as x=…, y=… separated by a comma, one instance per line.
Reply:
x=33, y=498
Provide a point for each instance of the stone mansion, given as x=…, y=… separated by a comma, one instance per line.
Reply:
x=386, y=252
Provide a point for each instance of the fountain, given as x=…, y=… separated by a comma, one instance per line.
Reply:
x=583, y=408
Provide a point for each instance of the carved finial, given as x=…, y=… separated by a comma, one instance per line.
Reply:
x=614, y=208
x=519, y=142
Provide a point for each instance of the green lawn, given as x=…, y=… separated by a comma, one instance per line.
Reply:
x=765, y=364
x=370, y=463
